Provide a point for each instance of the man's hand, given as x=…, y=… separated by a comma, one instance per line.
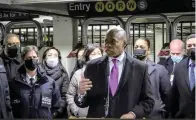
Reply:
x=128, y=116
x=84, y=85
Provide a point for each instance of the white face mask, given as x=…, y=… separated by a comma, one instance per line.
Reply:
x=94, y=57
x=52, y=62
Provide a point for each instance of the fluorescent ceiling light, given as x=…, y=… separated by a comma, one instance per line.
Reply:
x=42, y=18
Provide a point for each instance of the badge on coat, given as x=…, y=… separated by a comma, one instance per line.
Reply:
x=46, y=101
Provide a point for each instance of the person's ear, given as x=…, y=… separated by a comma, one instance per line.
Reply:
x=148, y=52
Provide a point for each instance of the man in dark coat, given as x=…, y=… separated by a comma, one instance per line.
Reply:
x=183, y=90
x=118, y=85
x=177, y=53
x=11, y=55
x=5, y=107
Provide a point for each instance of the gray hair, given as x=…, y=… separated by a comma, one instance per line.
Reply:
x=27, y=49
x=8, y=36
x=191, y=36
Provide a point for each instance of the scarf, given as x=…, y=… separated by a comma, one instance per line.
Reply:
x=55, y=73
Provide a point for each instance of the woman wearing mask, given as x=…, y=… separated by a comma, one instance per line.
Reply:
x=54, y=68
x=78, y=64
x=91, y=52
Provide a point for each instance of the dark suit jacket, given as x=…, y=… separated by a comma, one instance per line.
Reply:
x=168, y=63
x=161, y=87
x=134, y=92
x=182, y=98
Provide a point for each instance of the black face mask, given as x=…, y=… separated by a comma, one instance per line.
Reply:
x=191, y=53
x=139, y=54
x=31, y=64
x=13, y=51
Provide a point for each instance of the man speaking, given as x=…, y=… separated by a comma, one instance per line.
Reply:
x=116, y=85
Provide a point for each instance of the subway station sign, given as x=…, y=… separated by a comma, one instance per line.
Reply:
x=10, y=15
x=129, y=7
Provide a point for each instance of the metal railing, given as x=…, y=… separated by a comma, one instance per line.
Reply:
x=39, y=42
x=88, y=21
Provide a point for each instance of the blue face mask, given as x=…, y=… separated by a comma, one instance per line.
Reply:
x=176, y=59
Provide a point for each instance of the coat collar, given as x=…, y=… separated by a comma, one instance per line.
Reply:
x=21, y=75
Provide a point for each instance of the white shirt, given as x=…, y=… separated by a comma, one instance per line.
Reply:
x=119, y=65
x=29, y=77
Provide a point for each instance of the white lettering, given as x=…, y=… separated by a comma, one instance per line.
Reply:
x=79, y=7
x=5, y=15
x=12, y=14
x=142, y=4
x=71, y=7
x=88, y=7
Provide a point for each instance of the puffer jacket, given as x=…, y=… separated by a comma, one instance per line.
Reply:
x=72, y=91
x=38, y=101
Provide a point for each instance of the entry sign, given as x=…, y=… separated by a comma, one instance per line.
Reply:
x=9, y=15
x=129, y=7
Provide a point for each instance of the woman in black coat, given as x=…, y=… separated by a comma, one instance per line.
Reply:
x=51, y=62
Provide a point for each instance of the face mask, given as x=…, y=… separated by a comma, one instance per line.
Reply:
x=94, y=57
x=13, y=51
x=31, y=64
x=52, y=62
x=139, y=54
x=191, y=53
x=176, y=59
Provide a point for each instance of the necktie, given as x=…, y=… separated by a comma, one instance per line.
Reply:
x=31, y=81
x=192, y=76
x=114, y=78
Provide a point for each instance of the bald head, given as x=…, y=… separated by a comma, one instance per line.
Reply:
x=176, y=47
x=115, y=41
x=117, y=33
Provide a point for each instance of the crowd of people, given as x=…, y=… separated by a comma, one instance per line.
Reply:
x=107, y=83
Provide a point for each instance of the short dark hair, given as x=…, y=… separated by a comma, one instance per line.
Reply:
x=88, y=50
x=27, y=49
x=145, y=39
x=59, y=56
x=50, y=48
